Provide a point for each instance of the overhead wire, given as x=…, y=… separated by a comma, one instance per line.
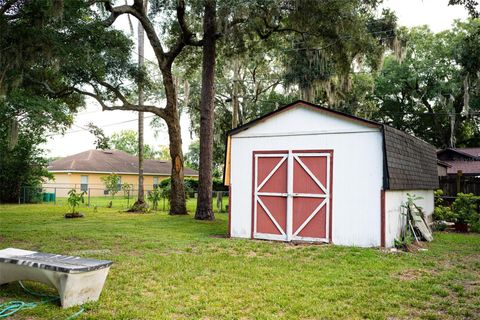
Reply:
x=81, y=129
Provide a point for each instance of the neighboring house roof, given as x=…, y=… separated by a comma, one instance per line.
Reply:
x=409, y=163
x=468, y=153
x=112, y=161
x=444, y=164
x=465, y=159
x=467, y=167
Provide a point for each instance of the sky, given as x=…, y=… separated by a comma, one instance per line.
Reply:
x=434, y=13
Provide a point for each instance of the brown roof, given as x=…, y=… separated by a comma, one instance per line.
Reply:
x=455, y=153
x=474, y=152
x=467, y=167
x=409, y=163
x=443, y=164
x=465, y=159
x=112, y=161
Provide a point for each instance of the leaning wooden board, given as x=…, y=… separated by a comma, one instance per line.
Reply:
x=420, y=224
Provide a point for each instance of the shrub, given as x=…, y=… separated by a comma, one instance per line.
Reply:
x=127, y=188
x=441, y=212
x=464, y=208
x=74, y=199
x=111, y=183
x=154, y=197
x=191, y=185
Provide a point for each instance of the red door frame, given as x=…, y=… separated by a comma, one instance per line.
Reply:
x=330, y=151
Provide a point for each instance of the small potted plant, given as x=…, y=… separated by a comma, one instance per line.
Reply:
x=464, y=208
x=74, y=200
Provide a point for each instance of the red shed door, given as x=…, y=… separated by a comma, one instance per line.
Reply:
x=270, y=203
x=292, y=195
x=310, y=196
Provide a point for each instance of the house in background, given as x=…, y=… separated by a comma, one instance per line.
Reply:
x=466, y=160
x=83, y=171
x=462, y=172
x=442, y=168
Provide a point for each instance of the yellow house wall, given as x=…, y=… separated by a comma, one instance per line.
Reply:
x=64, y=182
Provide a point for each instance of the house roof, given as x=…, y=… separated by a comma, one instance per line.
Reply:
x=409, y=162
x=112, y=161
x=473, y=153
x=467, y=167
x=465, y=159
x=443, y=163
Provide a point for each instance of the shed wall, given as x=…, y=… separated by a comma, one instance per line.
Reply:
x=357, y=170
x=394, y=220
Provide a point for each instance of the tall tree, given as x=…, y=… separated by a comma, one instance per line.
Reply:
x=204, y=209
x=433, y=92
x=29, y=109
x=298, y=41
x=180, y=37
x=140, y=204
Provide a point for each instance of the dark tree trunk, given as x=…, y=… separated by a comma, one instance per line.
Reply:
x=177, y=194
x=204, y=201
x=169, y=113
x=140, y=204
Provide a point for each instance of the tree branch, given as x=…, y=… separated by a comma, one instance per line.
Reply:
x=126, y=105
x=7, y=5
x=186, y=37
x=138, y=12
x=53, y=94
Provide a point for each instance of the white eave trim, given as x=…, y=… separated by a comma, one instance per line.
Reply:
x=127, y=173
x=304, y=133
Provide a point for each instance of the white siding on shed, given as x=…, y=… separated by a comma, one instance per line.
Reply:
x=394, y=219
x=357, y=169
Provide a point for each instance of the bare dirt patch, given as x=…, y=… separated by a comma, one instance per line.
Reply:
x=219, y=236
x=413, y=274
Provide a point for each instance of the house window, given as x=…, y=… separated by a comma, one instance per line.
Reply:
x=155, y=182
x=84, y=183
x=119, y=185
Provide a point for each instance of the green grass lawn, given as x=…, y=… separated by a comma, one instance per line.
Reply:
x=173, y=267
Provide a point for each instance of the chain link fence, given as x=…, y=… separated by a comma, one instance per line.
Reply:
x=121, y=199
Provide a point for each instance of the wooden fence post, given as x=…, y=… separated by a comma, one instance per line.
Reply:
x=459, y=178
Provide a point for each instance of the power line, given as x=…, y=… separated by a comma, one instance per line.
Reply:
x=103, y=126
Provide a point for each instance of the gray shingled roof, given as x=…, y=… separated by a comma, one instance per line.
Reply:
x=112, y=161
x=411, y=162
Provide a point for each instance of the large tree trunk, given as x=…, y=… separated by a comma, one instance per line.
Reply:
x=170, y=112
x=204, y=202
x=177, y=194
x=140, y=204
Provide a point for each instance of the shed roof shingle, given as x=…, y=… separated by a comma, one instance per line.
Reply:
x=411, y=162
x=114, y=161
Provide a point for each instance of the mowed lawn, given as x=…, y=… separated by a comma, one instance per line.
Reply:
x=173, y=267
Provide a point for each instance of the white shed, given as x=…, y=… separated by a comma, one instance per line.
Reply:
x=308, y=173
